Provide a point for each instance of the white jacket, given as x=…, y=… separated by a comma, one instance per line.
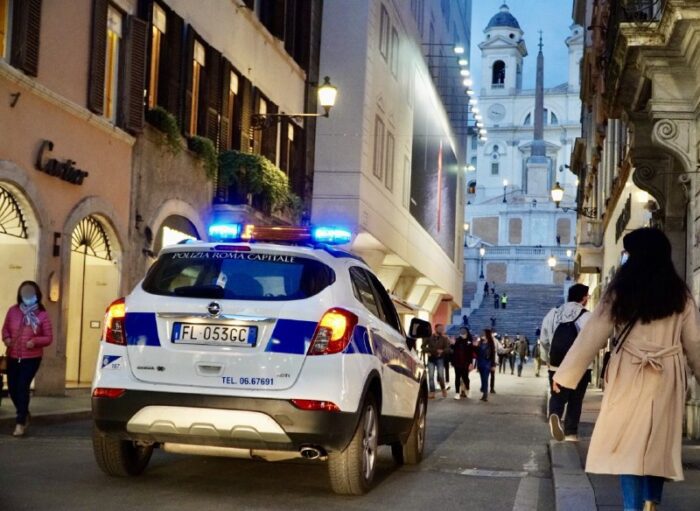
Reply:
x=564, y=314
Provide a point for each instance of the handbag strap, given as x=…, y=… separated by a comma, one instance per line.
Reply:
x=620, y=339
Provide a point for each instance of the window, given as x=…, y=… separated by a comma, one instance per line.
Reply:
x=473, y=160
x=389, y=315
x=384, y=33
x=363, y=290
x=158, y=28
x=498, y=76
x=471, y=187
x=289, y=148
x=5, y=16
x=258, y=134
x=198, y=63
x=232, y=111
x=528, y=120
x=474, y=143
x=115, y=22
x=378, y=148
x=495, y=148
x=545, y=116
x=494, y=169
x=238, y=276
x=389, y=168
x=555, y=120
x=394, y=52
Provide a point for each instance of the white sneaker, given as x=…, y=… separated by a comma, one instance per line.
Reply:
x=555, y=428
x=571, y=438
x=19, y=430
x=457, y=397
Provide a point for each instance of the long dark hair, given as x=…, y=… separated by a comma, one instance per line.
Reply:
x=37, y=290
x=646, y=287
x=489, y=337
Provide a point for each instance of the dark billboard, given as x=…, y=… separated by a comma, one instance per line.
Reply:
x=433, y=172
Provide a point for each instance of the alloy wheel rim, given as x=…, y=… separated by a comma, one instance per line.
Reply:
x=369, y=442
x=421, y=426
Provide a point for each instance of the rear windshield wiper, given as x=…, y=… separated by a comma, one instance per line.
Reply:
x=213, y=291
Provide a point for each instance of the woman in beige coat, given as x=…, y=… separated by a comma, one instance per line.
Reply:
x=639, y=429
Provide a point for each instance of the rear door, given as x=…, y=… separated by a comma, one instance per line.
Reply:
x=226, y=318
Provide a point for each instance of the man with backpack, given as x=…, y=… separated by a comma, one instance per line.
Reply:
x=560, y=328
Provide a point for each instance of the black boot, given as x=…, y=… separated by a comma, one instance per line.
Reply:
x=485, y=397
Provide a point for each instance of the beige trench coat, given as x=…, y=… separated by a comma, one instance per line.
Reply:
x=639, y=428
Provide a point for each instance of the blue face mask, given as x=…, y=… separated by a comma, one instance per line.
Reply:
x=624, y=259
x=30, y=300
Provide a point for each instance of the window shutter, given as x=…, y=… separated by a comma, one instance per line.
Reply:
x=246, y=91
x=225, y=124
x=269, y=136
x=211, y=104
x=134, y=75
x=26, y=27
x=187, y=101
x=170, y=68
x=98, y=55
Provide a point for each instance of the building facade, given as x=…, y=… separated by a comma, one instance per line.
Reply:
x=389, y=161
x=637, y=157
x=116, y=114
x=509, y=211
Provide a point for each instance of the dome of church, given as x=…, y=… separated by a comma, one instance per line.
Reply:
x=503, y=19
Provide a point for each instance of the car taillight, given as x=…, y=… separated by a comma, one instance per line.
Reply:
x=333, y=332
x=318, y=406
x=114, y=331
x=108, y=393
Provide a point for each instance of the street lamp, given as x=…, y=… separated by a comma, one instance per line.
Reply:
x=552, y=261
x=327, y=94
x=505, y=186
x=466, y=232
x=482, y=253
x=558, y=195
x=569, y=253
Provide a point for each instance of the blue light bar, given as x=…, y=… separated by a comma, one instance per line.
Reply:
x=225, y=232
x=331, y=235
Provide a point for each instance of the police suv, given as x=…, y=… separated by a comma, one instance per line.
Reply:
x=269, y=344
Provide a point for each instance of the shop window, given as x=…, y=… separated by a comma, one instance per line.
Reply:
x=158, y=30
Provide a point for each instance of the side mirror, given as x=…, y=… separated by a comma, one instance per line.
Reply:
x=420, y=329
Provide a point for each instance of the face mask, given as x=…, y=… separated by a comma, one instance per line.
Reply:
x=624, y=259
x=30, y=300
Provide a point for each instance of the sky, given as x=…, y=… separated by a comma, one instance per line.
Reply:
x=553, y=17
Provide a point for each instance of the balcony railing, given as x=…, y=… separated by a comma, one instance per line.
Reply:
x=519, y=252
x=641, y=12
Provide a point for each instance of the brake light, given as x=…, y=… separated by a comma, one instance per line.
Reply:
x=114, y=331
x=333, y=332
x=108, y=393
x=317, y=406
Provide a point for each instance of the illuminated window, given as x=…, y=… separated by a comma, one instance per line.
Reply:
x=258, y=134
x=231, y=111
x=157, y=32
x=198, y=62
x=115, y=22
x=5, y=15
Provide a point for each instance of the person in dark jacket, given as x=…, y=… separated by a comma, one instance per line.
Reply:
x=522, y=349
x=485, y=361
x=496, y=301
x=462, y=360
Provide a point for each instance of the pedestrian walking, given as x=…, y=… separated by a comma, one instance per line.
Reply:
x=504, y=300
x=496, y=301
x=465, y=321
x=560, y=328
x=537, y=355
x=435, y=348
x=462, y=360
x=492, y=377
x=486, y=288
x=25, y=332
x=657, y=325
x=503, y=354
x=485, y=361
x=522, y=350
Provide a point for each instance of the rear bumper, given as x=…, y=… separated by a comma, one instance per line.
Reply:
x=249, y=423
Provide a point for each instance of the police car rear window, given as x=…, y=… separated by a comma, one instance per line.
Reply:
x=237, y=276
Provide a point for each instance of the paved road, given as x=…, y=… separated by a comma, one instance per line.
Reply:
x=489, y=456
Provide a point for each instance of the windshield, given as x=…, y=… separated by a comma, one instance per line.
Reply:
x=237, y=276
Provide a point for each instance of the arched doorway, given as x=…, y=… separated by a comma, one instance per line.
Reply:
x=94, y=284
x=174, y=229
x=19, y=233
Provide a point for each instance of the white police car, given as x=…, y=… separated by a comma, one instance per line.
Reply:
x=270, y=345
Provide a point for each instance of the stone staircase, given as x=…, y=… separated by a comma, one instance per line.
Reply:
x=527, y=306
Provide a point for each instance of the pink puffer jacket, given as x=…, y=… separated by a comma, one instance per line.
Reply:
x=18, y=334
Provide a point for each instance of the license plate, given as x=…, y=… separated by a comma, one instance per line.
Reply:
x=220, y=335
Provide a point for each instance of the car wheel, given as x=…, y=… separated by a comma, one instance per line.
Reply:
x=120, y=458
x=411, y=453
x=352, y=470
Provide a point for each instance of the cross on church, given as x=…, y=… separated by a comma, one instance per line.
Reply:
x=540, y=40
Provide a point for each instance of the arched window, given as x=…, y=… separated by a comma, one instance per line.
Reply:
x=528, y=120
x=471, y=187
x=555, y=120
x=545, y=116
x=495, y=149
x=498, y=77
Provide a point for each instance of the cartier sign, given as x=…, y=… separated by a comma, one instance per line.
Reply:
x=64, y=170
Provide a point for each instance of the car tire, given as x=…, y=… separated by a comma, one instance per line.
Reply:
x=120, y=458
x=411, y=453
x=352, y=470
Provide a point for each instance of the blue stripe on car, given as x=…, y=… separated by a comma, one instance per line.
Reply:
x=291, y=336
x=360, y=342
x=141, y=329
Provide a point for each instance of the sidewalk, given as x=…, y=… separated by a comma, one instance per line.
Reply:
x=576, y=490
x=74, y=406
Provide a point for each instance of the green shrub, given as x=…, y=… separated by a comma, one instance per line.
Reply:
x=205, y=149
x=164, y=121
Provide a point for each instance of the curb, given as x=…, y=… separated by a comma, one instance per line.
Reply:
x=52, y=418
x=572, y=488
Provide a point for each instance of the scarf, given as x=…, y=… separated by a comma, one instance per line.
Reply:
x=30, y=317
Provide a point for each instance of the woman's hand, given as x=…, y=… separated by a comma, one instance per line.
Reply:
x=30, y=344
x=555, y=387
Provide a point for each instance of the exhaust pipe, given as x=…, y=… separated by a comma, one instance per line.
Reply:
x=310, y=453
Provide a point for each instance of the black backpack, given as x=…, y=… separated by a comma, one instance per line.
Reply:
x=563, y=339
